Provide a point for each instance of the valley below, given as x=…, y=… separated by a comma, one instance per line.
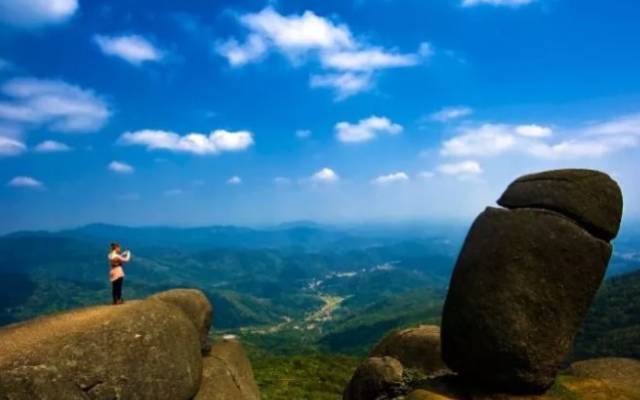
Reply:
x=307, y=301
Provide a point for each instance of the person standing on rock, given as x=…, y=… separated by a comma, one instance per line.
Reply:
x=116, y=273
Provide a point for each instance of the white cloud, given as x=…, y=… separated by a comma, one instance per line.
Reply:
x=234, y=180
x=345, y=85
x=461, y=168
x=365, y=129
x=25, y=182
x=325, y=175
x=51, y=146
x=134, y=49
x=57, y=105
x=239, y=54
x=391, y=178
x=120, y=168
x=216, y=142
x=36, y=13
x=595, y=140
x=534, y=131
x=624, y=125
x=11, y=147
x=577, y=148
x=303, y=133
x=298, y=32
x=309, y=37
x=449, y=113
x=507, y=3
x=485, y=140
x=367, y=60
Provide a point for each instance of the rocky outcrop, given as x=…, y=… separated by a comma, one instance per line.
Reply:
x=144, y=349
x=525, y=278
x=416, y=348
x=227, y=374
x=196, y=307
x=376, y=377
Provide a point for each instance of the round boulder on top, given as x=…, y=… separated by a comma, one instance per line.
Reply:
x=375, y=377
x=591, y=198
x=416, y=348
x=520, y=289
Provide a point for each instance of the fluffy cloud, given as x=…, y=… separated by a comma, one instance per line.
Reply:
x=348, y=62
x=36, y=13
x=51, y=146
x=576, y=148
x=56, y=105
x=120, y=168
x=345, y=84
x=450, y=113
x=239, y=54
x=234, y=180
x=485, y=140
x=365, y=129
x=534, y=131
x=134, y=49
x=507, y=3
x=627, y=125
x=11, y=147
x=216, y=142
x=391, y=178
x=594, y=140
x=325, y=175
x=25, y=182
x=461, y=168
x=367, y=60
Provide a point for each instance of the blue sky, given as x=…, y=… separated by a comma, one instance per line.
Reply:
x=257, y=112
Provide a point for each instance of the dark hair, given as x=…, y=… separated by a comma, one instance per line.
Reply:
x=114, y=245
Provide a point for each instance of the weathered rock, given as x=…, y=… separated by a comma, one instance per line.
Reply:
x=417, y=348
x=520, y=289
x=227, y=374
x=591, y=198
x=620, y=372
x=139, y=350
x=375, y=377
x=195, y=305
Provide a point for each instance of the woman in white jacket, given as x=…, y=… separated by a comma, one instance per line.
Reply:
x=116, y=273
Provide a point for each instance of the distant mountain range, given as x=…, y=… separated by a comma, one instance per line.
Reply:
x=293, y=286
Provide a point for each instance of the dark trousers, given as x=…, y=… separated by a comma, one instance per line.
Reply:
x=116, y=290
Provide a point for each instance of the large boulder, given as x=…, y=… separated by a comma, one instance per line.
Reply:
x=144, y=349
x=416, y=348
x=227, y=374
x=520, y=289
x=376, y=377
x=195, y=305
x=591, y=198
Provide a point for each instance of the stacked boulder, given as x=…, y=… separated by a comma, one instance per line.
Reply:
x=144, y=349
x=521, y=287
x=526, y=276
